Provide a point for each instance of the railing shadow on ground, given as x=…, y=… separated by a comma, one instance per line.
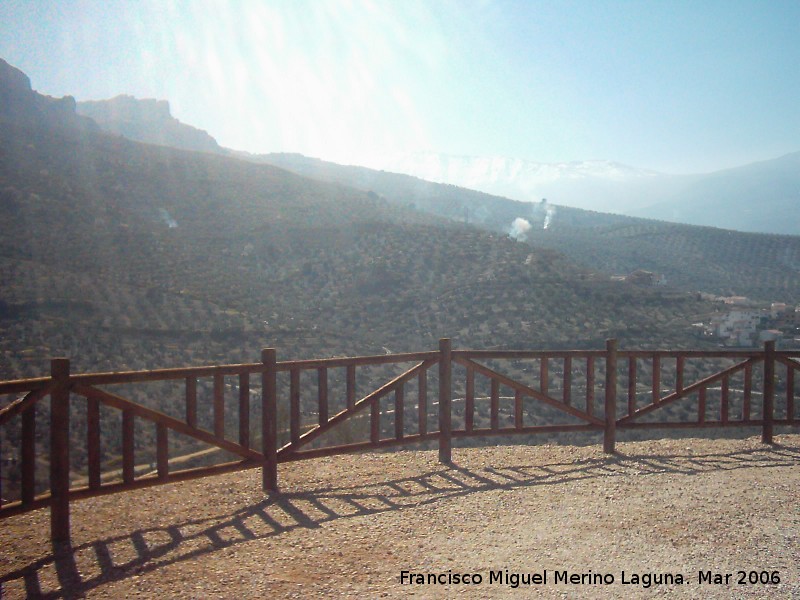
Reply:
x=269, y=518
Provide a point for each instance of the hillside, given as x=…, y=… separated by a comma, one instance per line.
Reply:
x=692, y=258
x=754, y=198
x=345, y=527
x=760, y=197
x=192, y=258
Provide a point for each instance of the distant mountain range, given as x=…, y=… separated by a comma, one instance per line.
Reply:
x=761, y=197
x=598, y=185
x=692, y=258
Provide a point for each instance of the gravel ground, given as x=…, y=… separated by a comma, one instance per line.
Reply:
x=663, y=511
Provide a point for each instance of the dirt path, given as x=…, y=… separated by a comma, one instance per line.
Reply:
x=349, y=526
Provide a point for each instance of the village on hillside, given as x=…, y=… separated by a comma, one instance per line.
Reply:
x=746, y=323
x=740, y=322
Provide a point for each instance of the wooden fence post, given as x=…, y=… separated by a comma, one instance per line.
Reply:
x=445, y=393
x=610, y=433
x=59, y=452
x=269, y=421
x=769, y=391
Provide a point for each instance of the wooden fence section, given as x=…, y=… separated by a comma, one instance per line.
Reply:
x=295, y=410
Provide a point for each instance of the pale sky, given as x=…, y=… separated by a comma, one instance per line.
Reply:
x=675, y=86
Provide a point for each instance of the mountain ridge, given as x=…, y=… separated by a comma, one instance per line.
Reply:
x=597, y=241
x=149, y=121
x=21, y=104
x=722, y=199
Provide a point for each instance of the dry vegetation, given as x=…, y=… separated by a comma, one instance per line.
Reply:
x=693, y=258
x=91, y=269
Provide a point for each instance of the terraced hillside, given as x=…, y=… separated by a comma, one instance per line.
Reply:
x=761, y=266
x=692, y=258
x=125, y=255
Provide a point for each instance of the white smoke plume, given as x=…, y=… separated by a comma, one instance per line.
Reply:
x=546, y=211
x=519, y=229
x=167, y=218
x=548, y=217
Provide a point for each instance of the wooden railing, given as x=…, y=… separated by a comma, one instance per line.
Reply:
x=550, y=392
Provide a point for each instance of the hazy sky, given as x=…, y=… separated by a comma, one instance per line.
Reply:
x=676, y=86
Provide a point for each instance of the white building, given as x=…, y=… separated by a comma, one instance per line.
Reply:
x=739, y=327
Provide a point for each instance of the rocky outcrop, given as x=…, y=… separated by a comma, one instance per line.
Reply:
x=20, y=104
x=148, y=121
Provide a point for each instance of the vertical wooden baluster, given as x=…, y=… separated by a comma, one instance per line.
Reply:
x=631, y=385
x=219, y=405
x=609, y=436
x=679, y=364
x=495, y=407
x=28, y=455
x=656, y=378
x=269, y=420
x=469, y=402
x=518, y=409
x=422, y=402
x=567, y=387
x=399, y=409
x=375, y=421
x=351, y=386
x=544, y=385
x=769, y=391
x=191, y=401
x=748, y=392
x=93, y=441
x=590, y=385
x=128, y=432
x=789, y=393
x=244, y=410
x=59, y=452
x=701, y=406
x=162, y=450
x=445, y=396
x=725, y=404
x=294, y=404
x=322, y=394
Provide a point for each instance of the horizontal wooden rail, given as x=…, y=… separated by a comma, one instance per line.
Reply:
x=735, y=354
x=164, y=374
x=523, y=354
x=360, y=361
x=356, y=447
x=18, y=386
